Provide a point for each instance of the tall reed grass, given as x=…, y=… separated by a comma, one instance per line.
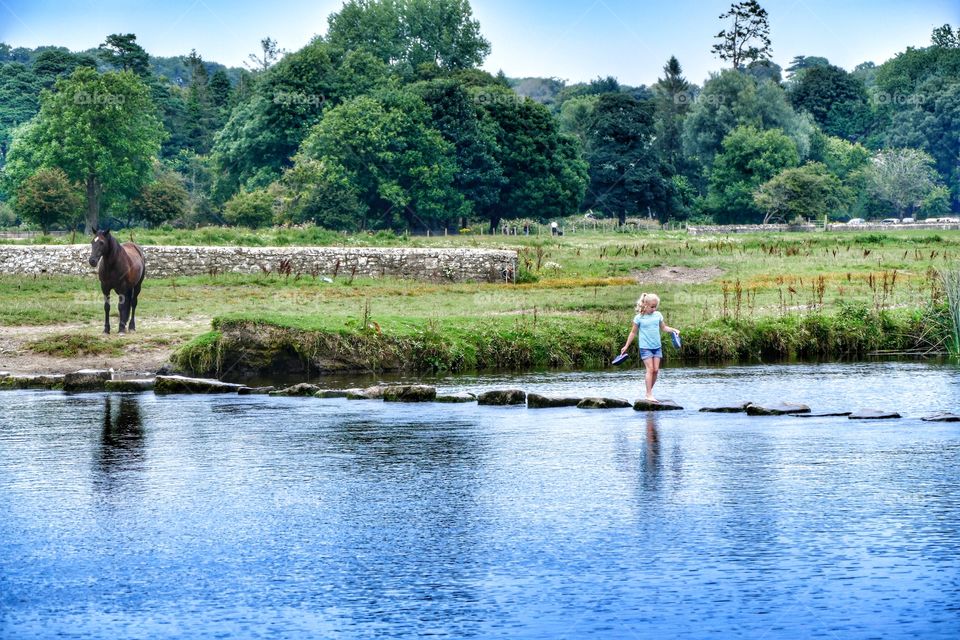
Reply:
x=951, y=285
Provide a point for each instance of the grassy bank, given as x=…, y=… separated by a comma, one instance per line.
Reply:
x=736, y=297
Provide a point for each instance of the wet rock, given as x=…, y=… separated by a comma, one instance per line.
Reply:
x=502, y=397
x=825, y=414
x=537, y=401
x=336, y=393
x=135, y=386
x=776, y=409
x=942, y=417
x=603, y=403
x=873, y=414
x=87, y=380
x=183, y=384
x=463, y=396
x=370, y=393
x=739, y=407
x=42, y=381
x=661, y=405
x=410, y=393
x=255, y=391
x=301, y=389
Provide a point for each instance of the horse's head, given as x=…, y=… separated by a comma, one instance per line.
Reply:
x=99, y=246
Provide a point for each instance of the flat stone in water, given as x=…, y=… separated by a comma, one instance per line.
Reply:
x=43, y=381
x=500, y=397
x=336, y=393
x=873, y=414
x=537, y=401
x=660, y=405
x=463, y=396
x=739, y=407
x=255, y=391
x=409, y=393
x=942, y=417
x=134, y=386
x=776, y=409
x=603, y=403
x=370, y=393
x=183, y=384
x=825, y=414
x=301, y=389
x=86, y=380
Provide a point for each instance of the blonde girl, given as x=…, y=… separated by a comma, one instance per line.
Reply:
x=647, y=325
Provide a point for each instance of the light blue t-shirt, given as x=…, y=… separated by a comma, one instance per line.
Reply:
x=648, y=332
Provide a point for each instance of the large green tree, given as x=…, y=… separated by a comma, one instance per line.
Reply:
x=904, y=178
x=810, y=191
x=47, y=198
x=749, y=158
x=122, y=52
x=747, y=38
x=626, y=175
x=100, y=129
x=836, y=99
x=674, y=97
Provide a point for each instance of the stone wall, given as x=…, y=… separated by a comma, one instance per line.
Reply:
x=438, y=265
x=697, y=230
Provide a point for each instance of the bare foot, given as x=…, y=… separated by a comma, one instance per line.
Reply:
x=652, y=399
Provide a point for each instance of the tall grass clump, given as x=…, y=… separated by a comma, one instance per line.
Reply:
x=951, y=285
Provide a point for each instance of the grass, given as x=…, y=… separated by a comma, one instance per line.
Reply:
x=792, y=290
x=69, y=345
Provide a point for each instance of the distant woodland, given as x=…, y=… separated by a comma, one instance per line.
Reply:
x=388, y=122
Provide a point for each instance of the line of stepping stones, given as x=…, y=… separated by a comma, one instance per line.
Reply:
x=102, y=380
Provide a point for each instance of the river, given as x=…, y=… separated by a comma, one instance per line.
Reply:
x=141, y=516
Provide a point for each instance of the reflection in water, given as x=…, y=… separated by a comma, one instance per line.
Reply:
x=121, y=443
x=650, y=464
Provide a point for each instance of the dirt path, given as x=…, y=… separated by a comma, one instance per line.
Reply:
x=143, y=352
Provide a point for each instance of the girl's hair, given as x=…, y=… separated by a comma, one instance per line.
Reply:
x=644, y=298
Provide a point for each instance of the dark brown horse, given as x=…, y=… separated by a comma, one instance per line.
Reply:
x=122, y=269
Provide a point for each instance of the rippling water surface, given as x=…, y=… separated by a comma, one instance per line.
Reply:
x=194, y=516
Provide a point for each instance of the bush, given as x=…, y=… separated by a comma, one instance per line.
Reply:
x=47, y=198
x=250, y=209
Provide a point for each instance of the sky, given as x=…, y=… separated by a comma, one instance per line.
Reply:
x=573, y=40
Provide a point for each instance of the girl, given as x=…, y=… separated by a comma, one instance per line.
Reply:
x=649, y=323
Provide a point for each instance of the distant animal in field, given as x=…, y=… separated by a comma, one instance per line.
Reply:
x=122, y=268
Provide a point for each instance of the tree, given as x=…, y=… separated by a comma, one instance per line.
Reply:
x=903, y=178
x=626, y=176
x=269, y=54
x=673, y=101
x=402, y=168
x=122, y=52
x=836, y=99
x=748, y=39
x=749, y=158
x=253, y=209
x=100, y=129
x=810, y=191
x=19, y=101
x=47, y=198
x=575, y=114
x=944, y=36
x=160, y=201
x=321, y=192
x=801, y=63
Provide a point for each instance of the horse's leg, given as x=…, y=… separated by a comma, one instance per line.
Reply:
x=133, y=308
x=106, y=311
x=124, y=310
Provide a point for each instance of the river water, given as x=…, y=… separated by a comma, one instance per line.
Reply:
x=137, y=516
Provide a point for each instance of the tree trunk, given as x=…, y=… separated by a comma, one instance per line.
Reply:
x=93, y=203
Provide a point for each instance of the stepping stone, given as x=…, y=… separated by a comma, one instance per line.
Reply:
x=873, y=414
x=463, y=396
x=662, y=405
x=136, y=386
x=776, y=409
x=183, y=384
x=86, y=380
x=254, y=391
x=370, y=393
x=42, y=381
x=942, y=417
x=410, y=393
x=727, y=408
x=336, y=393
x=300, y=389
x=501, y=397
x=826, y=414
x=537, y=401
x=603, y=403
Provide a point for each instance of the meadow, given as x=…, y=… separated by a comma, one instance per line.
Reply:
x=738, y=296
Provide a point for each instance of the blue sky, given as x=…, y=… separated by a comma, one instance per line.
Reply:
x=569, y=39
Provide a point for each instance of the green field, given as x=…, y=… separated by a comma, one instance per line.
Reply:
x=724, y=293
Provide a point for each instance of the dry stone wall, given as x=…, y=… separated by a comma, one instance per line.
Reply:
x=436, y=265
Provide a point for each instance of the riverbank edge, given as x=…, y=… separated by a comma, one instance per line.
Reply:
x=240, y=348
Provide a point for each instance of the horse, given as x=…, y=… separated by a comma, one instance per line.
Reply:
x=122, y=269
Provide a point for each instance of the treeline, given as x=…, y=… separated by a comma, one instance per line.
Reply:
x=388, y=122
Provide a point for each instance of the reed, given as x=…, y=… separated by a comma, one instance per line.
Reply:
x=951, y=286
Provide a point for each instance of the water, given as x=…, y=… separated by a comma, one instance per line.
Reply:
x=128, y=516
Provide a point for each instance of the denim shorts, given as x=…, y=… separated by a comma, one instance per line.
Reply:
x=651, y=353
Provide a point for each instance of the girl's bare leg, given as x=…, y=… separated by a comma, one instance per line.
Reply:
x=652, y=369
